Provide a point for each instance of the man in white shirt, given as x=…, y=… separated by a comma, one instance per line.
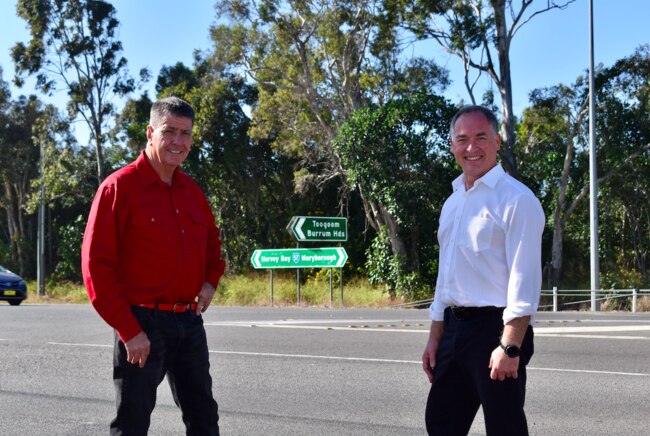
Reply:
x=487, y=291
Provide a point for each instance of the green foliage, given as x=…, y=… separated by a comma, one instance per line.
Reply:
x=382, y=267
x=69, y=266
x=555, y=153
x=74, y=44
x=397, y=155
x=315, y=64
x=385, y=268
x=131, y=125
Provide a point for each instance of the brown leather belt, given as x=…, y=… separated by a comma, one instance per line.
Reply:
x=171, y=307
x=462, y=312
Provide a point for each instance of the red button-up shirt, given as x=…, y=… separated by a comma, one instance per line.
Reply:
x=147, y=242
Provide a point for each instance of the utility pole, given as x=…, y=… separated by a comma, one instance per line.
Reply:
x=593, y=179
x=40, y=244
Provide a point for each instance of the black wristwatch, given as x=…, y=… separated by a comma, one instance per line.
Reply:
x=510, y=350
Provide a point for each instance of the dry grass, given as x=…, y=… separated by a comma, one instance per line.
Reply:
x=250, y=290
x=255, y=290
x=643, y=304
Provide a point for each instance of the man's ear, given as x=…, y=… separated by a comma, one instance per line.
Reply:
x=498, y=139
x=149, y=133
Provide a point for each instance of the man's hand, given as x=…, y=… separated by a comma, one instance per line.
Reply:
x=429, y=356
x=502, y=366
x=205, y=298
x=137, y=349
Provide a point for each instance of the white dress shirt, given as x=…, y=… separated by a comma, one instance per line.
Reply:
x=490, y=240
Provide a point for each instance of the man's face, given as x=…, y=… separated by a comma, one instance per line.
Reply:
x=474, y=145
x=169, y=141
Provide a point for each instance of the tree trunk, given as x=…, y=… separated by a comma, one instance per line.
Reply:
x=12, y=209
x=504, y=83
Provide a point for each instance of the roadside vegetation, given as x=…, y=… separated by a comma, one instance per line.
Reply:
x=254, y=290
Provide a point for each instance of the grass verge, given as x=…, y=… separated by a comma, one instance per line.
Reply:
x=251, y=290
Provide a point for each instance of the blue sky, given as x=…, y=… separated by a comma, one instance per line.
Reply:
x=552, y=48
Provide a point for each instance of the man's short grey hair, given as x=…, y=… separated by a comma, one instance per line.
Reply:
x=167, y=106
x=489, y=115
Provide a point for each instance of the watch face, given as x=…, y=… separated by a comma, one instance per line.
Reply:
x=512, y=350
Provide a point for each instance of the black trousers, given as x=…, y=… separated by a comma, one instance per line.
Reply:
x=461, y=380
x=179, y=350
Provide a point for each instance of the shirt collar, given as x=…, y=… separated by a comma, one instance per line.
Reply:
x=490, y=179
x=148, y=174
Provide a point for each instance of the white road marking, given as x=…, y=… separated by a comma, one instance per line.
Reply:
x=70, y=344
x=586, y=371
x=559, y=335
x=568, y=332
x=594, y=329
x=321, y=321
x=311, y=356
x=362, y=359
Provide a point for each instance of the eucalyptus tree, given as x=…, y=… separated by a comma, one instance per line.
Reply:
x=553, y=138
x=398, y=156
x=27, y=123
x=74, y=46
x=479, y=33
x=315, y=63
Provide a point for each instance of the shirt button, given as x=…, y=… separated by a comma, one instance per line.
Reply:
x=176, y=210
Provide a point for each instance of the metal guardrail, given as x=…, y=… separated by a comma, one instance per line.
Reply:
x=595, y=297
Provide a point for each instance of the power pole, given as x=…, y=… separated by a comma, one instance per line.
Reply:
x=40, y=244
x=593, y=179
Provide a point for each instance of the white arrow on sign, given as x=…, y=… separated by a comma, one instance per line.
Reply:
x=298, y=228
x=256, y=258
x=342, y=257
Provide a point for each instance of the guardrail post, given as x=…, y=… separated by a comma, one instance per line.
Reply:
x=554, y=298
x=594, y=303
x=635, y=293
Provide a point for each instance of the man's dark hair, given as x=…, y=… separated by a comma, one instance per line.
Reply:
x=170, y=106
x=489, y=115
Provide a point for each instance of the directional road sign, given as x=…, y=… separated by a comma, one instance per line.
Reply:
x=318, y=228
x=332, y=257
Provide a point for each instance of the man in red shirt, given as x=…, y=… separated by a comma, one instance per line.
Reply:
x=151, y=261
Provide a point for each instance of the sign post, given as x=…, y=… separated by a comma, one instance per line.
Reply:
x=308, y=229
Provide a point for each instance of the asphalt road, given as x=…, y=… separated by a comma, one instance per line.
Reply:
x=305, y=371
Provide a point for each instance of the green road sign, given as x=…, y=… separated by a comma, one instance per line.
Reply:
x=333, y=257
x=318, y=228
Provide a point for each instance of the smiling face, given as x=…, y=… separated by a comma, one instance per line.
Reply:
x=168, y=142
x=474, y=144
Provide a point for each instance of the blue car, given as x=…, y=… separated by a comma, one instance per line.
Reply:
x=12, y=287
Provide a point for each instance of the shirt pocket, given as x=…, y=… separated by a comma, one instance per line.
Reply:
x=149, y=221
x=150, y=236
x=198, y=227
x=478, y=234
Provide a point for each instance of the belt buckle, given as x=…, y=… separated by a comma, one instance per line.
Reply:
x=180, y=307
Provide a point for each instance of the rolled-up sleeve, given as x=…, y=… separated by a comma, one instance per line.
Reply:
x=524, y=257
